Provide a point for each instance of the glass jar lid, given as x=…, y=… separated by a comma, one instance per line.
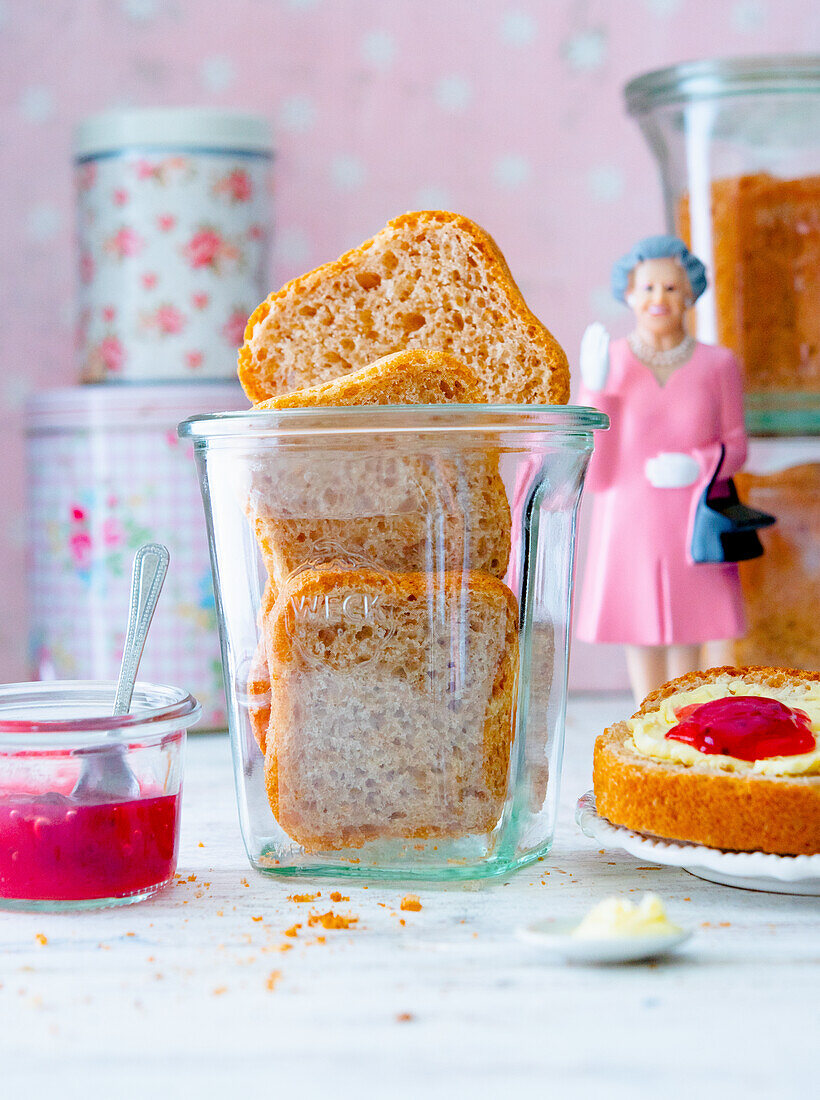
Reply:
x=399, y=420
x=694, y=80
x=68, y=713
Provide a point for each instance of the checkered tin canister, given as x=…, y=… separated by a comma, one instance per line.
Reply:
x=106, y=473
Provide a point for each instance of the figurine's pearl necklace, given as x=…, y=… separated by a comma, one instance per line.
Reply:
x=663, y=363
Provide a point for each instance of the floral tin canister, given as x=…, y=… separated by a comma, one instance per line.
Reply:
x=107, y=472
x=173, y=241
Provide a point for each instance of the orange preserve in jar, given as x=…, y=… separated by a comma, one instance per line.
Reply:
x=766, y=257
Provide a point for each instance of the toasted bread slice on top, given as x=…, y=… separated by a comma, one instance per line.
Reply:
x=428, y=279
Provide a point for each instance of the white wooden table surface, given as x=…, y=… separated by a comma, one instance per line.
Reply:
x=189, y=994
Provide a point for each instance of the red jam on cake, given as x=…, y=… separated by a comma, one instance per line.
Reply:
x=746, y=727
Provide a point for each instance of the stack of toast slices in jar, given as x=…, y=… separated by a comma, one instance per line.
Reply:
x=383, y=688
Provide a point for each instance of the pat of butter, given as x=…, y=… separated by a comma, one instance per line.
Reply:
x=649, y=732
x=615, y=917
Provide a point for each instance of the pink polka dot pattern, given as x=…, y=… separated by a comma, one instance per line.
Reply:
x=510, y=112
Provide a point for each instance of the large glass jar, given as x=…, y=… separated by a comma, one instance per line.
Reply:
x=738, y=147
x=393, y=590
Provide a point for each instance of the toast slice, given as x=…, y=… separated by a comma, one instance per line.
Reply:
x=428, y=279
x=405, y=507
x=416, y=376
x=736, y=810
x=392, y=705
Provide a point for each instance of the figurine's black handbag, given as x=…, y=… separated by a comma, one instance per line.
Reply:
x=724, y=530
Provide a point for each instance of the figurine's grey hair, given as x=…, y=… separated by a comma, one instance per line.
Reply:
x=660, y=247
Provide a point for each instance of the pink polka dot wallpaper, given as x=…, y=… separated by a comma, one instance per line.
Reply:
x=508, y=111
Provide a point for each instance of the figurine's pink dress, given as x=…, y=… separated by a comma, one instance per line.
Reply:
x=640, y=585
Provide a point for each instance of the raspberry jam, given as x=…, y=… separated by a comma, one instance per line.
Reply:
x=53, y=847
x=747, y=727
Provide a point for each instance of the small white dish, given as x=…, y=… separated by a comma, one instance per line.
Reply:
x=555, y=937
x=746, y=870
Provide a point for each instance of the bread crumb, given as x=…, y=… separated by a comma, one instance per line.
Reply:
x=200, y=845
x=284, y=946
x=321, y=939
x=191, y=878
x=244, y=882
x=402, y=921
x=331, y=920
x=336, y=896
x=256, y=918
x=220, y=989
x=41, y=939
x=411, y=902
x=304, y=897
x=292, y=930
x=273, y=978
x=404, y=1017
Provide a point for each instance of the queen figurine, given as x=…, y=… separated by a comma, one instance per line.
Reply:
x=676, y=412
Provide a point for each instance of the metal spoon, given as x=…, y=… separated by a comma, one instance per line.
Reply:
x=105, y=776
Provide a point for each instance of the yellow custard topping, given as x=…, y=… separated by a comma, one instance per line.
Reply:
x=621, y=917
x=649, y=731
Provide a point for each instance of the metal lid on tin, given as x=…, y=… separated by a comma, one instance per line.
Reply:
x=133, y=405
x=200, y=128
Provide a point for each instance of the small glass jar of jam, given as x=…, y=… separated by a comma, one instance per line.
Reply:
x=89, y=803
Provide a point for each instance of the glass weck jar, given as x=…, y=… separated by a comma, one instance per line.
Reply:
x=393, y=591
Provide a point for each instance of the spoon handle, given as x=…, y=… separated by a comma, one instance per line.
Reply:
x=150, y=567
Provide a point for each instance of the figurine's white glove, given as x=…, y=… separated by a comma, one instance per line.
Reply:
x=671, y=470
x=594, y=358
